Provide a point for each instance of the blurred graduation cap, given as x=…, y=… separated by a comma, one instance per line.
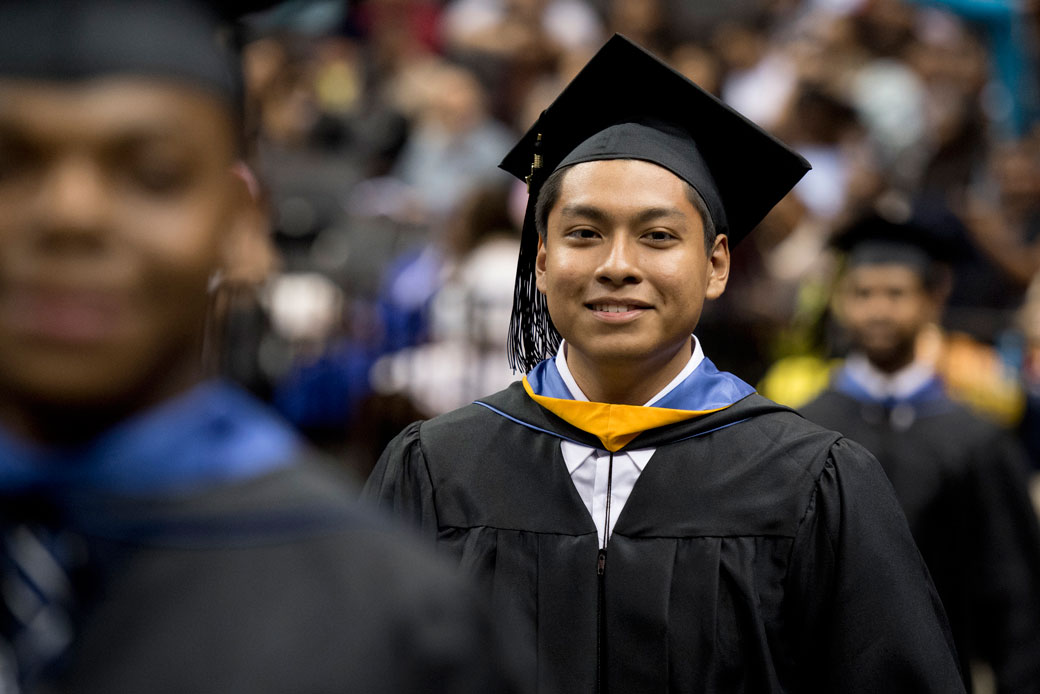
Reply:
x=876, y=239
x=628, y=104
x=80, y=39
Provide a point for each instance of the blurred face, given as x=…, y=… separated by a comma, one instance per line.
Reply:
x=884, y=308
x=624, y=269
x=115, y=199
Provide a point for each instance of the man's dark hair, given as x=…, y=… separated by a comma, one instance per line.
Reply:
x=550, y=193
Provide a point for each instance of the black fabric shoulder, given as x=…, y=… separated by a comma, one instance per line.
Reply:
x=400, y=481
x=309, y=497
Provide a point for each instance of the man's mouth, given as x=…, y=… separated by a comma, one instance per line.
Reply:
x=64, y=315
x=617, y=312
x=614, y=308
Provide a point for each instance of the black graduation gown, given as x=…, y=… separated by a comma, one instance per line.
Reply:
x=962, y=483
x=275, y=584
x=756, y=553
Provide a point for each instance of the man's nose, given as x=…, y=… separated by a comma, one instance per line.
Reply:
x=73, y=203
x=620, y=265
x=879, y=306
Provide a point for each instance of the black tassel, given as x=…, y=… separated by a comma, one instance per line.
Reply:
x=532, y=335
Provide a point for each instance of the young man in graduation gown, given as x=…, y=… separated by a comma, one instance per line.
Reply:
x=645, y=522
x=961, y=481
x=160, y=532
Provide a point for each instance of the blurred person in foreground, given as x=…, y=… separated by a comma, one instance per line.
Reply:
x=644, y=521
x=961, y=480
x=162, y=532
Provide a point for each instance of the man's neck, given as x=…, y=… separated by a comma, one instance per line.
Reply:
x=73, y=423
x=626, y=383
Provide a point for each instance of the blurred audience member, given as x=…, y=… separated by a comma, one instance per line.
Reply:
x=759, y=77
x=643, y=21
x=1010, y=31
x=698, y=64
x=453, y=144
x=515, y=28
x=465, y=356
x=1001, y=218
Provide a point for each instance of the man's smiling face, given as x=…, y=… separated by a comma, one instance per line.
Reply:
x=115, y=196
x=623, y=265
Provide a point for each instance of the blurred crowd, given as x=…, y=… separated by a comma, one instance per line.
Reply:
x=378, y=126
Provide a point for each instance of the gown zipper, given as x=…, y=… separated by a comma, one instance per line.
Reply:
x=601, y=571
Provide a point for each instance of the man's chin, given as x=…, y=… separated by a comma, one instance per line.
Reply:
x=889, y=358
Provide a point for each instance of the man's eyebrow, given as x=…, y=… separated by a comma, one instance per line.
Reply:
x=652, y=214
x=584, y=211
x=120, y=135
x=644, y=216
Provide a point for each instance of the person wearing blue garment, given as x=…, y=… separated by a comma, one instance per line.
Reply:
x=645, y=522
x=1008, y=28
x=962, y=481
x=160, y=531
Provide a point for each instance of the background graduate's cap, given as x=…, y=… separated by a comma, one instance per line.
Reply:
x=627, y=104
x=879, y=238
x=68, y=40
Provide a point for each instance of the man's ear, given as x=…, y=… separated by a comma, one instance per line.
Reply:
x=718, y=268
x=539, y=266
x=248, y=256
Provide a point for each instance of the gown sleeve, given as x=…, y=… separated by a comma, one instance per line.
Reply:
x=869, y=616
x=400, y=482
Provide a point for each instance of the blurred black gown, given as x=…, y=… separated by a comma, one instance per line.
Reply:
x=962, y=484
x=226, y=575
x=756, y=553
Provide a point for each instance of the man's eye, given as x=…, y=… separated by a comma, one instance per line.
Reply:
x=583, y=234
x=14, y=160
x=159, y=178
x=660, y=236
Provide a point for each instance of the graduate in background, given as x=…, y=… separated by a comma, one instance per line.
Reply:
x=960, y=479
x=646, y=522
x=160, y=532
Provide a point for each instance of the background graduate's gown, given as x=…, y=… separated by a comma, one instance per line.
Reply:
x=255, y=576
x=756, y=553
x=962, y=483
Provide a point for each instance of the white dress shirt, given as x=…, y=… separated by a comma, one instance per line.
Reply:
x=589, y=468
x=883, y=386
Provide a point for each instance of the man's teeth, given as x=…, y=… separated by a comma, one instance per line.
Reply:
x=613, y=308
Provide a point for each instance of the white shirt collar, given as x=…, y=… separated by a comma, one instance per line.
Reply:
x=881, y=385
x=696, y=357
x=574, y=454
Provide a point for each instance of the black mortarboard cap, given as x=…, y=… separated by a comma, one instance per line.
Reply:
x=82, y=39
x=627, y=104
